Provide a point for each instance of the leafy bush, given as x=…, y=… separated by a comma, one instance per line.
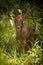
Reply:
x=33, y=57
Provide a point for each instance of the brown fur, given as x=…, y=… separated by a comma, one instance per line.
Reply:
x=24, y=34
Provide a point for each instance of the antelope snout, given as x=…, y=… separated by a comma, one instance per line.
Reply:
x=18, y=27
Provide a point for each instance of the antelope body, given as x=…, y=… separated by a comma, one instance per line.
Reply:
x=24, y=34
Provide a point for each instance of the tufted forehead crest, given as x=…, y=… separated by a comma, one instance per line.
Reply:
x=18, y=18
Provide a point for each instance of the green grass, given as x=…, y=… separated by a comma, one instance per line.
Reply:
x=33, y=57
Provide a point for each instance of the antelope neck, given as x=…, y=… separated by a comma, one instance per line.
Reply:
x=19, y=32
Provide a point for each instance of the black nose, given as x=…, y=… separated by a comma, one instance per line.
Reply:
x=18, y=27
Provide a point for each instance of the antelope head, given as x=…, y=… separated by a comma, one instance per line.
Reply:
x=18, y=22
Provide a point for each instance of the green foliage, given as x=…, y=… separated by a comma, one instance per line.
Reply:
x=9, y=48
x=33, y=57
x=7, y=35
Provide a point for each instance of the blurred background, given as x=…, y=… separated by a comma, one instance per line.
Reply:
x=9, y=49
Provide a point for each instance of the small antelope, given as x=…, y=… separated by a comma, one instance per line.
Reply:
x=24, y=34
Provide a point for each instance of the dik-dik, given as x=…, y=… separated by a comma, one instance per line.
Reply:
x=24, y=34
